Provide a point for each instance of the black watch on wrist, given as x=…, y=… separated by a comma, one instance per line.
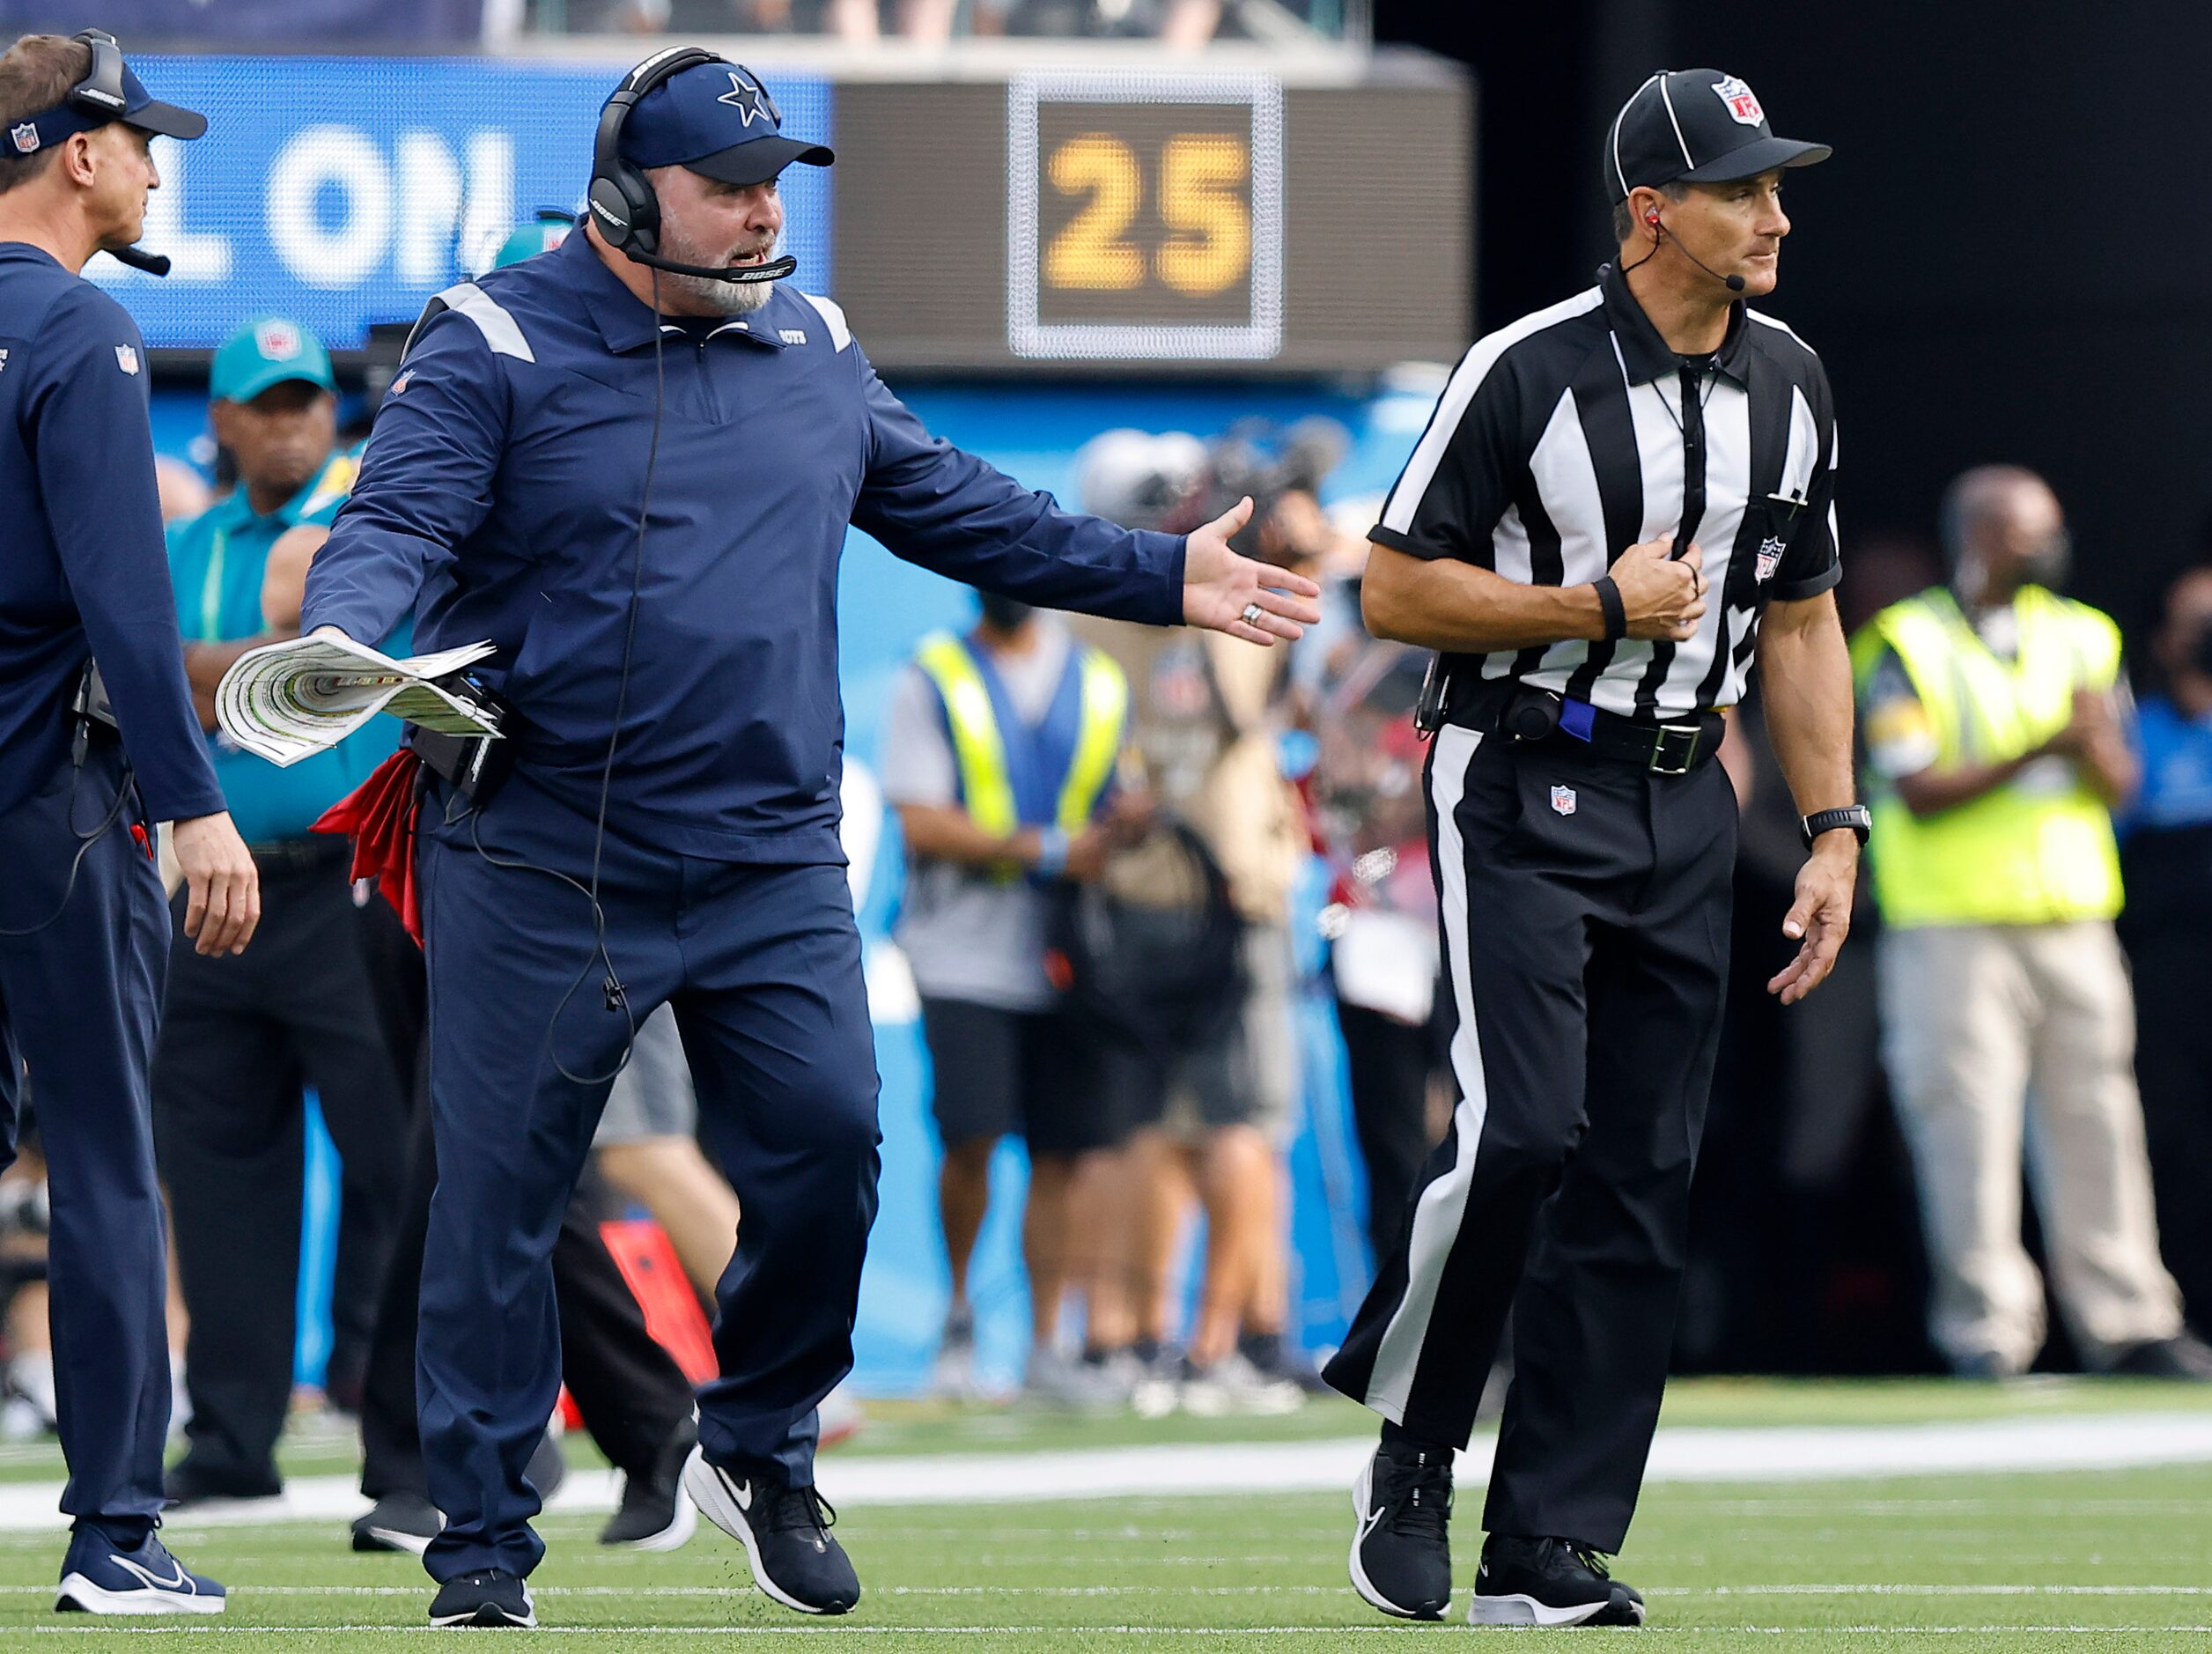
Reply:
x=1857, y=817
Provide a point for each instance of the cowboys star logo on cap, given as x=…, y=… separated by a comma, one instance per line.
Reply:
x=26, y=138
x=745, y=96
x=1743, y=102
x=279, y=341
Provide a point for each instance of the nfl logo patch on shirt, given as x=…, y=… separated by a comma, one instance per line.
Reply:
x=1563, y=800
x=127, y=358
x=1770, y=558
x=1743, y=102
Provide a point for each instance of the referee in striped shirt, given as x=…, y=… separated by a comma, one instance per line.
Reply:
x=1619, y=502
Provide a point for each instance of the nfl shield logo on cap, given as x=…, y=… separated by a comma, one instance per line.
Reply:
x=279, y=341
x=26, y=138
x=1563, y=798
x=1743, y=102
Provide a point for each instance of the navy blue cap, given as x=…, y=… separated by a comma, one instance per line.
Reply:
x=139, y=108
x=717, y=120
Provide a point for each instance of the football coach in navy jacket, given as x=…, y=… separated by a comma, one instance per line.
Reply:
x=678, y=684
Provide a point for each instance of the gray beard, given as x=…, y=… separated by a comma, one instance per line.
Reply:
x=724, y=298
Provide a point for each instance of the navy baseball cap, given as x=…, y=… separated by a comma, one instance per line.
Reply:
x=1698, y=126
x=717, y=120
x=139, y=108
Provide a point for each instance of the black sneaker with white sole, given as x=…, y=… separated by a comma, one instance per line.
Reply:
x=1401, y=1546
x=655, y=1513
x=398, y=1522
x=1549, y=1582
x=785, y=1531
x=490, y=1598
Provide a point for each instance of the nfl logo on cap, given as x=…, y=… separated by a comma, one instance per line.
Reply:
x=26, y=138
x=1743, y=102
x=279, y=341
x=1563, y=800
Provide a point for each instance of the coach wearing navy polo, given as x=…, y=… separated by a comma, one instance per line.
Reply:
x=83, y=927
x=1619, y=500
x=636, y=481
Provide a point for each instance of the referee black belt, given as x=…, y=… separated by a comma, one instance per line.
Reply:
x=1523, y=712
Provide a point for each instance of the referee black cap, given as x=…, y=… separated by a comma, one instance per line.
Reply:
x=1698, y=126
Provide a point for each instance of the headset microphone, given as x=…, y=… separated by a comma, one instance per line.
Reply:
x=138, y=258
x=1733, y=284
x=621, y=233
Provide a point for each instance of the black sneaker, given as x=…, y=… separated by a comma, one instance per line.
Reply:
x=493, y=1598
x=1549, y=1582
x=398, y=1522
x=785, y=1531
x=655, y=1513
x=2181, y=1357
x=187, y=1485
x=1401, y=1550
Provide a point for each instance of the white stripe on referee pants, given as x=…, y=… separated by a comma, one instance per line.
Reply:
x=1443, y=1204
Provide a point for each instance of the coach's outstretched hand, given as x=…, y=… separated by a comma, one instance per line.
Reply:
x=1221, y=586
x=223, y=887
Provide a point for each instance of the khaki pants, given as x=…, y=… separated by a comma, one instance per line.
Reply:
x=1989, y=1027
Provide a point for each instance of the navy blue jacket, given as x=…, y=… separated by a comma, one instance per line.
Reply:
x=502, y=486
x=83, y=570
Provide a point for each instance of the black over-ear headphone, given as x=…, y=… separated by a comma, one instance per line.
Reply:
x=101, y=92
x=622, y=198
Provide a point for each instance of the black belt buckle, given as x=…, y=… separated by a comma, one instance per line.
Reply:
x=1676, y=749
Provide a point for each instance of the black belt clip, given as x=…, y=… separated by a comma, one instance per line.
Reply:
x=1530, y=713
x=89, y=708
x=1428, y=709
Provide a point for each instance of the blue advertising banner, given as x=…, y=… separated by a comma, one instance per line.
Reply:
x=342, y=191
x=243, y=22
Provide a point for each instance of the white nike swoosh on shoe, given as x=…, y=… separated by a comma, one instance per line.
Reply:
x=182, y=1582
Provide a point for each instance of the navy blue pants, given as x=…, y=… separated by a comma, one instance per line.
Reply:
x=762, y=964
x=78, y=1003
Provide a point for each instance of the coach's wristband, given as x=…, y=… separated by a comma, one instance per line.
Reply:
x=1616, y=611
x=1051, y=852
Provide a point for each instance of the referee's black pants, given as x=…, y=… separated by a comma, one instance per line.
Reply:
x=239, y=1038
x=1586, y=912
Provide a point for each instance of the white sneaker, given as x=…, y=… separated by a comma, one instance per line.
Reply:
x=1233, y=1387
x=1071, y=1383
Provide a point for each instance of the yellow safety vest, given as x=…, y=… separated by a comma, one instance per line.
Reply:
x=986, y=788
x=2014, y=855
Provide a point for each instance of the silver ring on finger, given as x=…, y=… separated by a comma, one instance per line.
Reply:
x=1252, y=612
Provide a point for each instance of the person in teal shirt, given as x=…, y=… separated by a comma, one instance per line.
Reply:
x=242, y=1037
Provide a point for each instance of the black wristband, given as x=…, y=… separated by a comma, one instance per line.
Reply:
x=1854, y=818
x=1616, y=611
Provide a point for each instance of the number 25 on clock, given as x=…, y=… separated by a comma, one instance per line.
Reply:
x=1188, y=225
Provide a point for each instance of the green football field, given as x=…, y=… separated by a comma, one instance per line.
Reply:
x=2089, y=1560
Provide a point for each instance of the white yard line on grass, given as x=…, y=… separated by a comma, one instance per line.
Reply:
x=1685, y=1453
x=1096, y=1630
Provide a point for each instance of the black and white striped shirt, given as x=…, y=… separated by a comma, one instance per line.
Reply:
x=1576, y=432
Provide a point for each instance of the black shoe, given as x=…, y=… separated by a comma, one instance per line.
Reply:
x=1401, y=1550
x=2183, y=1356
x=492, y=1598
x=785, y=1531
x=188, y=1484
x=1548, y=1582
x=398, y=1522
x=656, y=1514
